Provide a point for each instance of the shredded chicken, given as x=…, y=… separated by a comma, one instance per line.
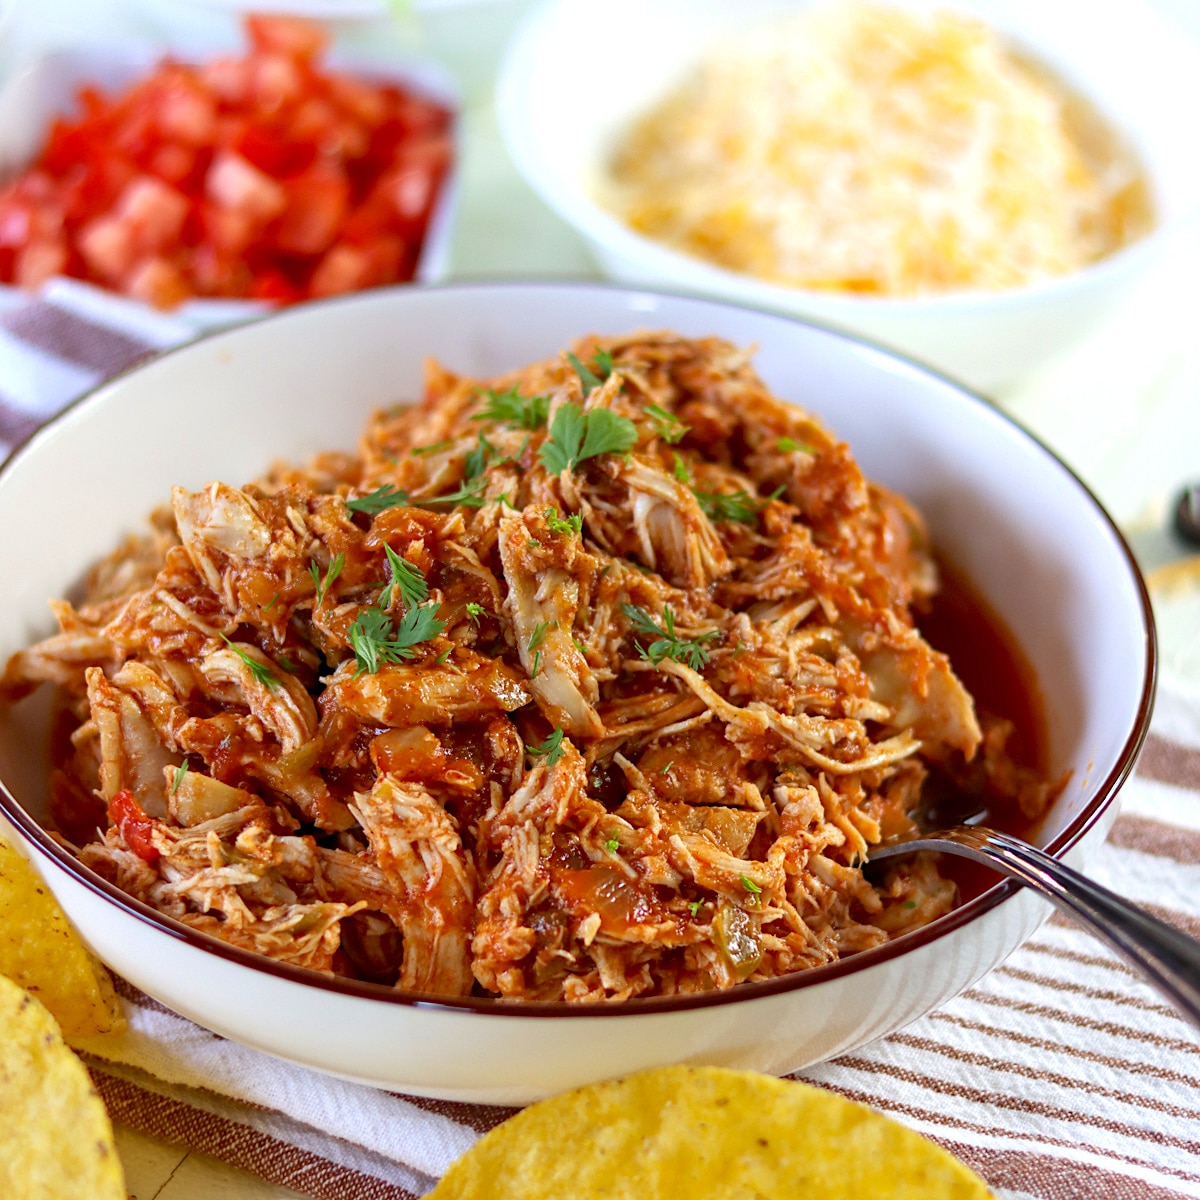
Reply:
x=496, y=708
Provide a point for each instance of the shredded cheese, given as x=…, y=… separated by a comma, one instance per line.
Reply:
x=874, y=150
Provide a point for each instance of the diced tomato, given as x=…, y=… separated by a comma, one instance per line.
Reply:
x=275, y=81
x=154, y=210
x=184, y=111
x=275, y=286
x=158, y=282
x=39, y=260
x=258, y=176
x=240, y=187
x=136, y=827
x=317, y=202
x=284, y=35
x=108, y=247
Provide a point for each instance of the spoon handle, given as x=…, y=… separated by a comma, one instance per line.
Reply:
x=1168, y=958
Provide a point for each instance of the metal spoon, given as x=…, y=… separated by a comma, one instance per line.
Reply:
x=1169, y=959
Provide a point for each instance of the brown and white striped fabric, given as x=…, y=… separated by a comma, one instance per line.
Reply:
x=1060, y=1076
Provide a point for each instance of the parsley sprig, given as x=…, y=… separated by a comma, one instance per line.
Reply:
x=551, y=749
x=567, y=525
x=667, y=643
x=666, y=425
x=591, y=377
x=470, y=494
x=576, y=436
x=381, y=499
x=374, y=641
x=729, y=506
x=259, y=670
x=331, y=573
x=511, y=408
x=407, y=579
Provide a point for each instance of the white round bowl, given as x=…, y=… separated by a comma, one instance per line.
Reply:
x=560, y=124
x=1000, y=507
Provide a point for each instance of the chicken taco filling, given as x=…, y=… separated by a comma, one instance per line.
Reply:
x=593, y=681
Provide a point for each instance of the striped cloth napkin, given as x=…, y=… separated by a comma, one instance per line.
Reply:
x=1060, y=1076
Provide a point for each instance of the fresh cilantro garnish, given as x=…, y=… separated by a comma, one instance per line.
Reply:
x=753, y=888
x=475, y=611
x=260, y=671
x=539, y=635
x=590, y=379
x=177, y=778
x=612, y=845
x=470, y=494
x=681, y=471
x=379, y=500
x=285, y=662
x=551, y=748
x=406, y=579
x=532, y=544
x=537, y=664
x=576, y=436
x=441, y=658
x=668, y=426
x=331, y=573
x=910, y=904
x=479, y=458
x=432, y=448
x=787, y=445
x=733, y=506
x=667, y=767
x=579, y=646
x=568, y=525
x=374, y=641
x=694, y=906
x=666, y=643
x=511, y=408
x=271, y=603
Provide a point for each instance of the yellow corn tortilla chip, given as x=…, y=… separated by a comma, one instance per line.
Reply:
x=41, y=952
x=686, y=1133
x=56, y=1141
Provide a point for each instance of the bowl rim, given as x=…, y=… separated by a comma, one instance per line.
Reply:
x=571, y=201
x=1101, y=798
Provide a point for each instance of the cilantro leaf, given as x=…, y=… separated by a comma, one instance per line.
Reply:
x=666, y=425
x=576, y=436
x=259, y=670
x=379, y=500
x=607, y=433
x=733, y=506
x=374, y=641
x=432, y=448
x=587, y=377
x=511, y=408
x=551, y=748
x=331, y=573
x=475, y=611
x=406, y=579
x=560, y=451
x=178, y=777
x=470, y=494
x=667, y=644
x=567, y=525
x=478, y=460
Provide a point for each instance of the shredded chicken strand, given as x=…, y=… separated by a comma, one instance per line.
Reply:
x=437, y=717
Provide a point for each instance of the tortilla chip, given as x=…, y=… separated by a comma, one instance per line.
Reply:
x=41, y=952
x=678, y=1133
x=56, y=1141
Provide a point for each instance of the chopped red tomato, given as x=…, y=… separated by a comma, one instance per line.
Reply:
x=136, y=827
x=259, y=177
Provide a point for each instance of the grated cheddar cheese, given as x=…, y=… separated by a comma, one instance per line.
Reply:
x=878, y=151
